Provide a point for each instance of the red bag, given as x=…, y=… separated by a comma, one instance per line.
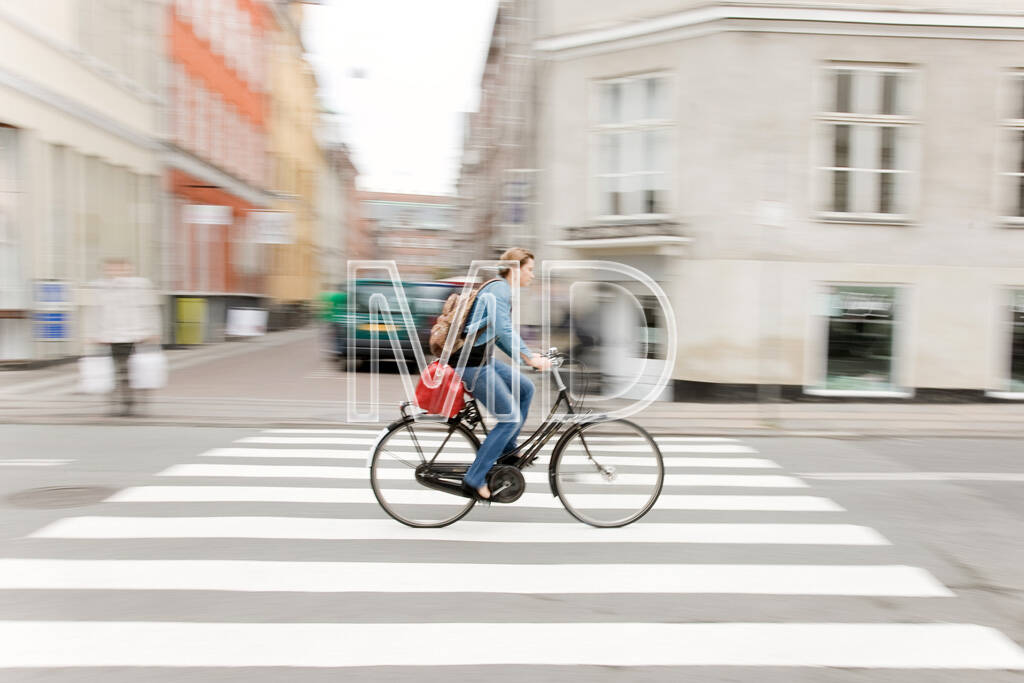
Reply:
x=432, y=399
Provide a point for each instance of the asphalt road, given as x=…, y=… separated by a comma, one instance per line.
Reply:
x=864, y=560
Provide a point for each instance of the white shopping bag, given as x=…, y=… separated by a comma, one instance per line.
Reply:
x=96, y=374
x=147, y=369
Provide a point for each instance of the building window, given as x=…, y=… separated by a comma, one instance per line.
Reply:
x=217, y=129
x=177, y=113
x=1017, y=342
x=1011, y=179
x=191, y=112
x=60, y=229
x=515, y=203
x=201, y=19
x=10, y=193
x=868, y=136
x=650, y=335
x=202, y=120
x=633, y=146
x=862, y=322
x=231, y=35
x=245, y=52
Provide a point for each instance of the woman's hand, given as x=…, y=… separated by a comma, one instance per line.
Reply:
x=539, y=362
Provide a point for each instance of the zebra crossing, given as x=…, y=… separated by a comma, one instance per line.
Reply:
x=284, y=519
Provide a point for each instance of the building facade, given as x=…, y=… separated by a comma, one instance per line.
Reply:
x=498, y=175
x=296, y=160
x=337, y=211
x=217, y=172
x=80, y=104
x=830, y=195
x=417, y=231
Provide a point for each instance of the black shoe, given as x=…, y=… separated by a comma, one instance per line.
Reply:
x=508, y=459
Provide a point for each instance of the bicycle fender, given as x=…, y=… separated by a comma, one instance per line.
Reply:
x=552, y=482
x=376, y=442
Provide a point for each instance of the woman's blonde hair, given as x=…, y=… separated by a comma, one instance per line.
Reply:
x=514, y=254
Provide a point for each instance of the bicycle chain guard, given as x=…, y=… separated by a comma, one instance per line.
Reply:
x=506, y=484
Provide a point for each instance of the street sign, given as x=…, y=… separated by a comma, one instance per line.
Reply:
x=51, y=295
x=51, y=326
x=208, y=214
x=246, y=322
x=271, y=227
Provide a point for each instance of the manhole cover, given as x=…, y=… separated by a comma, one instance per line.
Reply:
x=60, y=496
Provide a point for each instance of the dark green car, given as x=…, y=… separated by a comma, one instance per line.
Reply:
x=356, y=327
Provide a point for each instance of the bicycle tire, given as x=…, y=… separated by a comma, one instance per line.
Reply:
x=646, y=464
x=395, y=486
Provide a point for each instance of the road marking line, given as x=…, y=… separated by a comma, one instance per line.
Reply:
x=671, y=460
x=31, y=644
x=318, y=528
x=373, y=432
x=391, y=577
x=300, y=494
x=399, y=474
x=434, y=441
x=916, y=476
x=34, y=462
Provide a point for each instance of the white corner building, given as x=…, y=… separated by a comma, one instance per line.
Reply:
x=831, y=194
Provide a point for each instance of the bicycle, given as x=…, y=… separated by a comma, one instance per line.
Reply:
x=606, y=473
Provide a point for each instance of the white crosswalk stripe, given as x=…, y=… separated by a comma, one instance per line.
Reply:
x=243, y=538
x=319, y=528
x=140, y=644
x=355, y=577
x=369, y=441
x=308, y=494
x=671, y=459
x=534, y=477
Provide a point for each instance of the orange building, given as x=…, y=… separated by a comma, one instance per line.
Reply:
x=217, y=169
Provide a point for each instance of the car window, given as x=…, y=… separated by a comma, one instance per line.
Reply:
x=429, y=299
x=364, y=292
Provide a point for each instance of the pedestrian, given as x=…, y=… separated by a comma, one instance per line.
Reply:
x=122, y=311
x=491, y=380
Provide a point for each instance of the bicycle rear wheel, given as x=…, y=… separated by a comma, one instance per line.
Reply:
x=413, y=444
x=608, y=474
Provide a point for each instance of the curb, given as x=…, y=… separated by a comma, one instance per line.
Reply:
x=253, y=423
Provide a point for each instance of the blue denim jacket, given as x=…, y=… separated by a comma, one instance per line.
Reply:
x=499, y=329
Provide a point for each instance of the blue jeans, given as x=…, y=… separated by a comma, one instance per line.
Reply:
x=491, y=385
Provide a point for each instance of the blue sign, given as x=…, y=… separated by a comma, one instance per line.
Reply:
x=51, y=326
x=52, y=292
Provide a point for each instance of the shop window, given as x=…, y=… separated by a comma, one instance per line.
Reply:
x=862, y=323
x=651, y=331
x=1017, y=343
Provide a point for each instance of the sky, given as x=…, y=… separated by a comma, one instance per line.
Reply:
x=399, y=73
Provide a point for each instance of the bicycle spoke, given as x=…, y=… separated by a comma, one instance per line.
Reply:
x=398, y=457
x=436, y=450
x=593, y=482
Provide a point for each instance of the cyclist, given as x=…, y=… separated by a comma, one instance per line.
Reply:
x=491, y=380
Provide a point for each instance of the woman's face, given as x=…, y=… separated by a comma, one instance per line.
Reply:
x=526, y=273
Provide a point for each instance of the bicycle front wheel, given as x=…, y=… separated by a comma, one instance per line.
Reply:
x=413, y=445
x=608, y=474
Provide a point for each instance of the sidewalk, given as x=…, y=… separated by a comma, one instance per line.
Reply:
x=285, y=379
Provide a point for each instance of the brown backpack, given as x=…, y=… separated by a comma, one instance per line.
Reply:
x=456, y=310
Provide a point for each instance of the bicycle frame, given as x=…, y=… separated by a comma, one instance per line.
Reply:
x=448, y=476
x=526, y=452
